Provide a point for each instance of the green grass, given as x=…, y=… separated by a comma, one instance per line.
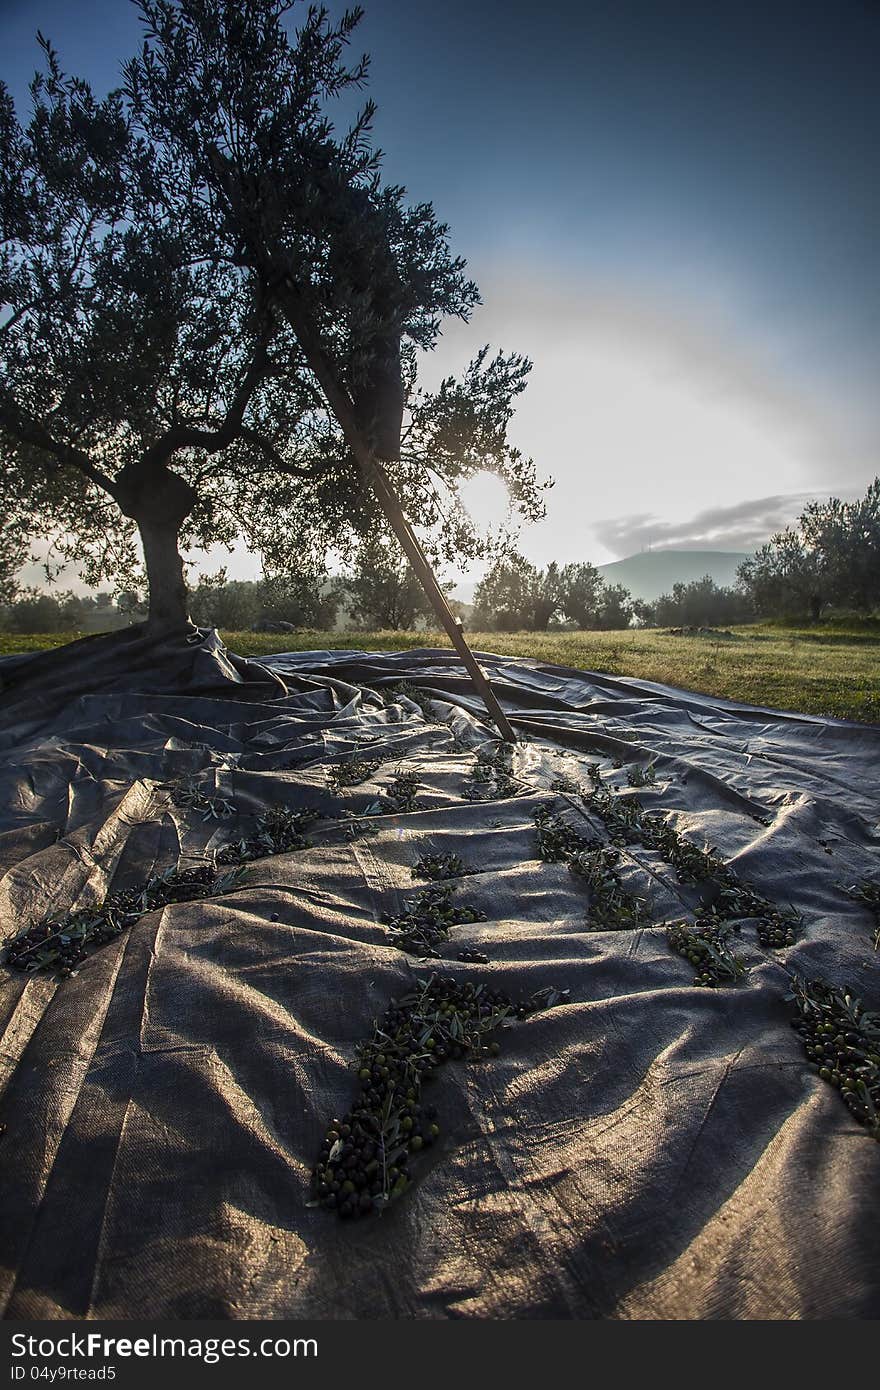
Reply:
x=828, y=669
x=14, y=642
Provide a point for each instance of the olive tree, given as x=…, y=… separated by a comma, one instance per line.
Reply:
x=156, y=383
x=581, y=587
x=784, y=578
x=383, y=592
x=506, y=599
x=845, y=538
x=131, y=364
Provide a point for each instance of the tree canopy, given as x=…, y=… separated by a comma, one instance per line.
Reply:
x=383, y=591
x=700, y=603
x=831, y=558
x=176, y=258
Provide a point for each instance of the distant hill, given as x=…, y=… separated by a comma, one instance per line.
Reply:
x=654, y=572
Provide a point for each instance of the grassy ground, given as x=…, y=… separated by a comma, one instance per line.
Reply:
x=828, y=669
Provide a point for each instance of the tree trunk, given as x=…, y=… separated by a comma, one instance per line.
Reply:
x=168, y=595
x=542, y=614
x=159, y=501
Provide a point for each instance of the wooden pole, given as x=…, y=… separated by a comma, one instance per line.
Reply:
x=374, y=475
x=284, y=291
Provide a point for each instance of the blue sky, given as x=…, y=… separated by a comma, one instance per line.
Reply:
x=672, y=208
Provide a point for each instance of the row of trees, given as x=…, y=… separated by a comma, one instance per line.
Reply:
x=29, y=610
x=386, y=597
x=516, y=595
x=829, y=559
x=381, y=593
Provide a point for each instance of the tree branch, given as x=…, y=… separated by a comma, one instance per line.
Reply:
x=182, y=436
x=29, y=431
x=278, y=461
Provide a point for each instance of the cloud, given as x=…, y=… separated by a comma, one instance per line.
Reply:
x=743, y=526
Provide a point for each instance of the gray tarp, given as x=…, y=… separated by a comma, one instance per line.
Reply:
x=647, y=1149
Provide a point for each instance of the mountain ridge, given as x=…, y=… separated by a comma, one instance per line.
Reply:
x=653, y=572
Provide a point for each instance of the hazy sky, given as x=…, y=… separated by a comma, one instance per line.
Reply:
x=672, y=208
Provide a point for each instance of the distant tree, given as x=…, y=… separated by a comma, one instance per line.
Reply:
x=36, y=612
x=615, y=607
x=844, y=537
x=580, y=587
x=153, y=381
x=383, y=591
x=548, y=597
x=832, y=557
x=701, y=603
x=218, y=602
x=643, y=613
x=504, y=601
x=306, y=600
x=130, y=604
x=75, y=608
x=515, y=594
x=784, y=579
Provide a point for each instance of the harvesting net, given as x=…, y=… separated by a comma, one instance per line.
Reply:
x=645, y=876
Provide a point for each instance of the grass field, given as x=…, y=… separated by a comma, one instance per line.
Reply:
x=827, y=669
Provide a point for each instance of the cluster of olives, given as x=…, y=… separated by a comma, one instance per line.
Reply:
x=691, y=864
x=351, y=773
x=279, y=831
x=842, y=1040
x=189, y=797
x=706, y=947
x=364, y=1159
x=622, y=817
x=625, y=820
x=637, y=776
x=440, y=866
x=399, y=795
x=353, y=1175
x=60, y=944
x=409, y=692
x=775, y=928
x=472, y=957
x=427, y=920
x=557, y=841
x=491, y=777
x=612, y=908
x=174, y=886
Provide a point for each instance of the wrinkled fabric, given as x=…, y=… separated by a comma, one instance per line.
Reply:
x=646, y=1149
